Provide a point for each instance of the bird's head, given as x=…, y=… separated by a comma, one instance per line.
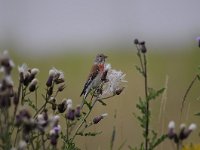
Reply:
x=100, y=58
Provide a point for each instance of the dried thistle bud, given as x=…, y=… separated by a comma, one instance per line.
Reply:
x=6, y=62
x=99, y=118
x=59, y=80
x=171, y=130
x=185, y=132
x=54, y=134
x=61, y=87
x=198, y=40
x=69, y=104
x=192, y=127
x=61, y=107
x=21, y=77
x=70, y=114
x=143, y=47
x=136, y=41
x=26, y=78
x=119, y=91
x=78, y=111
x=49, y=81
x=33, y=85
x=34, y=71
x=24, y=113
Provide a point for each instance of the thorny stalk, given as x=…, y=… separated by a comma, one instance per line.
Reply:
x=84, y=119
x=147, y=103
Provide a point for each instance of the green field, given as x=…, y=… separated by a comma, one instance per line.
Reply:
x=180, y=67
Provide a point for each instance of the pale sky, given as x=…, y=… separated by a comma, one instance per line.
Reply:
x=42, y=25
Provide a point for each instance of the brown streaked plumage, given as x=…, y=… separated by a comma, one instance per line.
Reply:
x=94, y=78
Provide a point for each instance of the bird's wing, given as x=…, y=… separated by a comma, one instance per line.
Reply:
x=93, y=73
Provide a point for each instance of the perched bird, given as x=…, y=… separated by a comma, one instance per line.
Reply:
x=95, y=75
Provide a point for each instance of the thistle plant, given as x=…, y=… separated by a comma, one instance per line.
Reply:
x=27, y=124
x=111, y=85
x=183, y=134
x=151, y=138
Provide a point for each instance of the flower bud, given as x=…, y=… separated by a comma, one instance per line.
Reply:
x=198, y=40
x=61, y=87
x=69, y=104
x=171, y=127
x=70, y=114
x=34, y=71
x=61, y=107
x=143, y=47
x=99, y=118
x=119, y=91
x=78, y=111
x=136, y=41
x=49, y=81
x=59, y=80
x=53, y=137
x=32, y=85
x=26, y=78
x=183, y=131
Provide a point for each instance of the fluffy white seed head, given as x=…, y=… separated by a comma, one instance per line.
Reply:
x=34, y=82
x=171, y=125
x=9, y=80
x=52, y=71
x=23, y=68
x=52, y=132
x=34, y=71
x=69, y=104
x=56, y=117
x=69, y=101
x=40, y=117
x=192, y=127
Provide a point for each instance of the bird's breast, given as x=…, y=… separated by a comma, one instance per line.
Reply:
x=101, y=67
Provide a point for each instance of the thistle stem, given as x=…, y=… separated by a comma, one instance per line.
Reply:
x=187, y=92
x=83, y=120
x=147, y=103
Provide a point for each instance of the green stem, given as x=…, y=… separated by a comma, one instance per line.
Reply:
x=16, y=136
x=147, y=104
x=43, y=142
x=67, y=129
x=187, y=92
x=141, y=62
x=36, y=103
x=80, y=125
x=41, y=108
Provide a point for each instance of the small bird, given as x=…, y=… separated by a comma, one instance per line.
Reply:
x=95, y=76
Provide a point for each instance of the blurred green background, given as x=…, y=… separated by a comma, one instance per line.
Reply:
x=179, y=67
x=68, y=34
